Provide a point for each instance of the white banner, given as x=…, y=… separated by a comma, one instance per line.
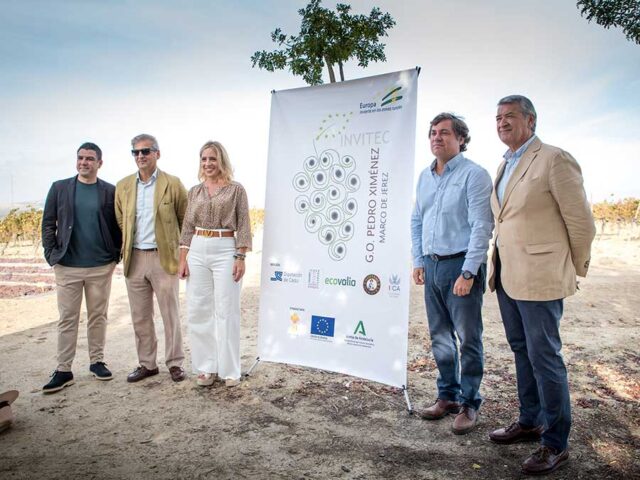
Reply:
x=336, y=251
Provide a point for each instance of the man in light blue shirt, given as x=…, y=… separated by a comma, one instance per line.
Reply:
x=450, y=230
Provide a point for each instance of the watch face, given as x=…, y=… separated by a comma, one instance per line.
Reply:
x=467, y=275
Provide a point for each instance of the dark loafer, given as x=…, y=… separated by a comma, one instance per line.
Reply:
x=544, y=460
x=141, y=373
x=516, y=433
x=177, y=374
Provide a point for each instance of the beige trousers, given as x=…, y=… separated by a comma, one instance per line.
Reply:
x=146, y=277
x=70, y=283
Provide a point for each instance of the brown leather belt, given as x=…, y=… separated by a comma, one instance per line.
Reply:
x=214, y=233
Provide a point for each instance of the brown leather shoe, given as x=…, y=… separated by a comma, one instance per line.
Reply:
x=544, y=460
x=438, y=410
x=177, y=374
x=141, y=373
x=514, y=433
x=465, y=421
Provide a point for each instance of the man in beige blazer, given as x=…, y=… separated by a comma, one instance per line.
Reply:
x=150, y=206
x=543, y=234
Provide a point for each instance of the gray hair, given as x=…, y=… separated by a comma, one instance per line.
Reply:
x=459, y=127
x=526, y=107
x=143, y=137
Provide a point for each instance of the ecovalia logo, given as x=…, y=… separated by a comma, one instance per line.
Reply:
x=340, y=282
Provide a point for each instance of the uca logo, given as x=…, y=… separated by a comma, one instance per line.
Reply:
x=394, y=286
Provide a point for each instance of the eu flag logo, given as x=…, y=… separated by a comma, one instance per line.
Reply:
x=322, y=325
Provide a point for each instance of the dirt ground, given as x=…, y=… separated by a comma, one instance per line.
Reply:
x=287, y=422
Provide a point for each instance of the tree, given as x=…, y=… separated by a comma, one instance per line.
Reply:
x=327, y=38
x=614, y=13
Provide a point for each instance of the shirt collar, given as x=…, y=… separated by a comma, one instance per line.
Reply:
x=509, y=155
x=450, y=165
x=153, y=177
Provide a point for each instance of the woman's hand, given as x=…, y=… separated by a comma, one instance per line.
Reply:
x=238, y=269
x=183, y=267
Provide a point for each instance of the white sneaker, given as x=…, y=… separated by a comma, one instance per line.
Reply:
x=232, y=382
x=206, y=379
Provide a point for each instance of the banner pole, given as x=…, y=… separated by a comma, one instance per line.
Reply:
x=406, y=399
x=252, y=367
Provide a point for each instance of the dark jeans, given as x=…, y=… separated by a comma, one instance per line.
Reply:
x=450, y=315
x=532, y=329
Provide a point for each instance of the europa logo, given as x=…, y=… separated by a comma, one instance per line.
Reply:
x=391, y=95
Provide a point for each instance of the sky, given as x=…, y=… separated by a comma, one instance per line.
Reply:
x=87, y=70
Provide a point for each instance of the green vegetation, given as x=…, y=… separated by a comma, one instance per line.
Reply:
x=621, y=212
x=24, y=226
x=257, y=218
x=327, y=38
x=19, y=226
x=614, y=13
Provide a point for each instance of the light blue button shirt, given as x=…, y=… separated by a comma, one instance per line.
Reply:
x=512, y=159
x=452, y=213
x=145, y=236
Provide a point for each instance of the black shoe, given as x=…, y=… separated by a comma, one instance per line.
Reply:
x=140, y=373
x=58, y=381
x=100, y=371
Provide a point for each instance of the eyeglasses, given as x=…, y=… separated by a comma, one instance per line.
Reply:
x=143, y=151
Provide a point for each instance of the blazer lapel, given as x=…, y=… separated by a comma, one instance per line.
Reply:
x=523, y=165
x=130, y=193
x=71, y=196
x=161, y=186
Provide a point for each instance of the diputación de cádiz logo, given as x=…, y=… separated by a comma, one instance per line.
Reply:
x=326, y=186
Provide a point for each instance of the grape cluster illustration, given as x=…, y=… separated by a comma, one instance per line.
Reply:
x=326, y=185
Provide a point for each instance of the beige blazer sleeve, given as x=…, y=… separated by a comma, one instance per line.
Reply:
x=566, y=186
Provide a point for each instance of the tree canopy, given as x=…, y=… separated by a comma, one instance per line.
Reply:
x=614, y=13
x=328, y=38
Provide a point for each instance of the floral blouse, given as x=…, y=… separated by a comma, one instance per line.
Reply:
x=227, y=208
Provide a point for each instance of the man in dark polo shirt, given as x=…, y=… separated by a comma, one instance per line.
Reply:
x=82, y=241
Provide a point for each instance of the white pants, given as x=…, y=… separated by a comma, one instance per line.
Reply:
x=213, y=307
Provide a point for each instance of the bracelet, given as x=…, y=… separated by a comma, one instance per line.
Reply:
x=239, y=256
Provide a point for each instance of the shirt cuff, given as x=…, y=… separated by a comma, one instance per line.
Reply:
x=471, y=266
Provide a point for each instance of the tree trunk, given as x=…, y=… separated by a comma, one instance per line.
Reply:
x=332, y=76
x=341, y=72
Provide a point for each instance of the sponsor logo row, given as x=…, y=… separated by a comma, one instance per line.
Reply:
x=371, y=283
x=323, y=329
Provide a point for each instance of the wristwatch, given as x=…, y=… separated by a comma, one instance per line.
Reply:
x=467, y=275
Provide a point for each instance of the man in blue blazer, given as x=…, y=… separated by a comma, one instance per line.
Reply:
x=81, y=240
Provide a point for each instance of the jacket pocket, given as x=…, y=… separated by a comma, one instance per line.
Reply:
x=540, y=248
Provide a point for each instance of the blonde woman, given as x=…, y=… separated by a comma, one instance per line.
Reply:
x=216, y=235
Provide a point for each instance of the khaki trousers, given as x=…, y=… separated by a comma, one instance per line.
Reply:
x=146, y=277
x=70, y=283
